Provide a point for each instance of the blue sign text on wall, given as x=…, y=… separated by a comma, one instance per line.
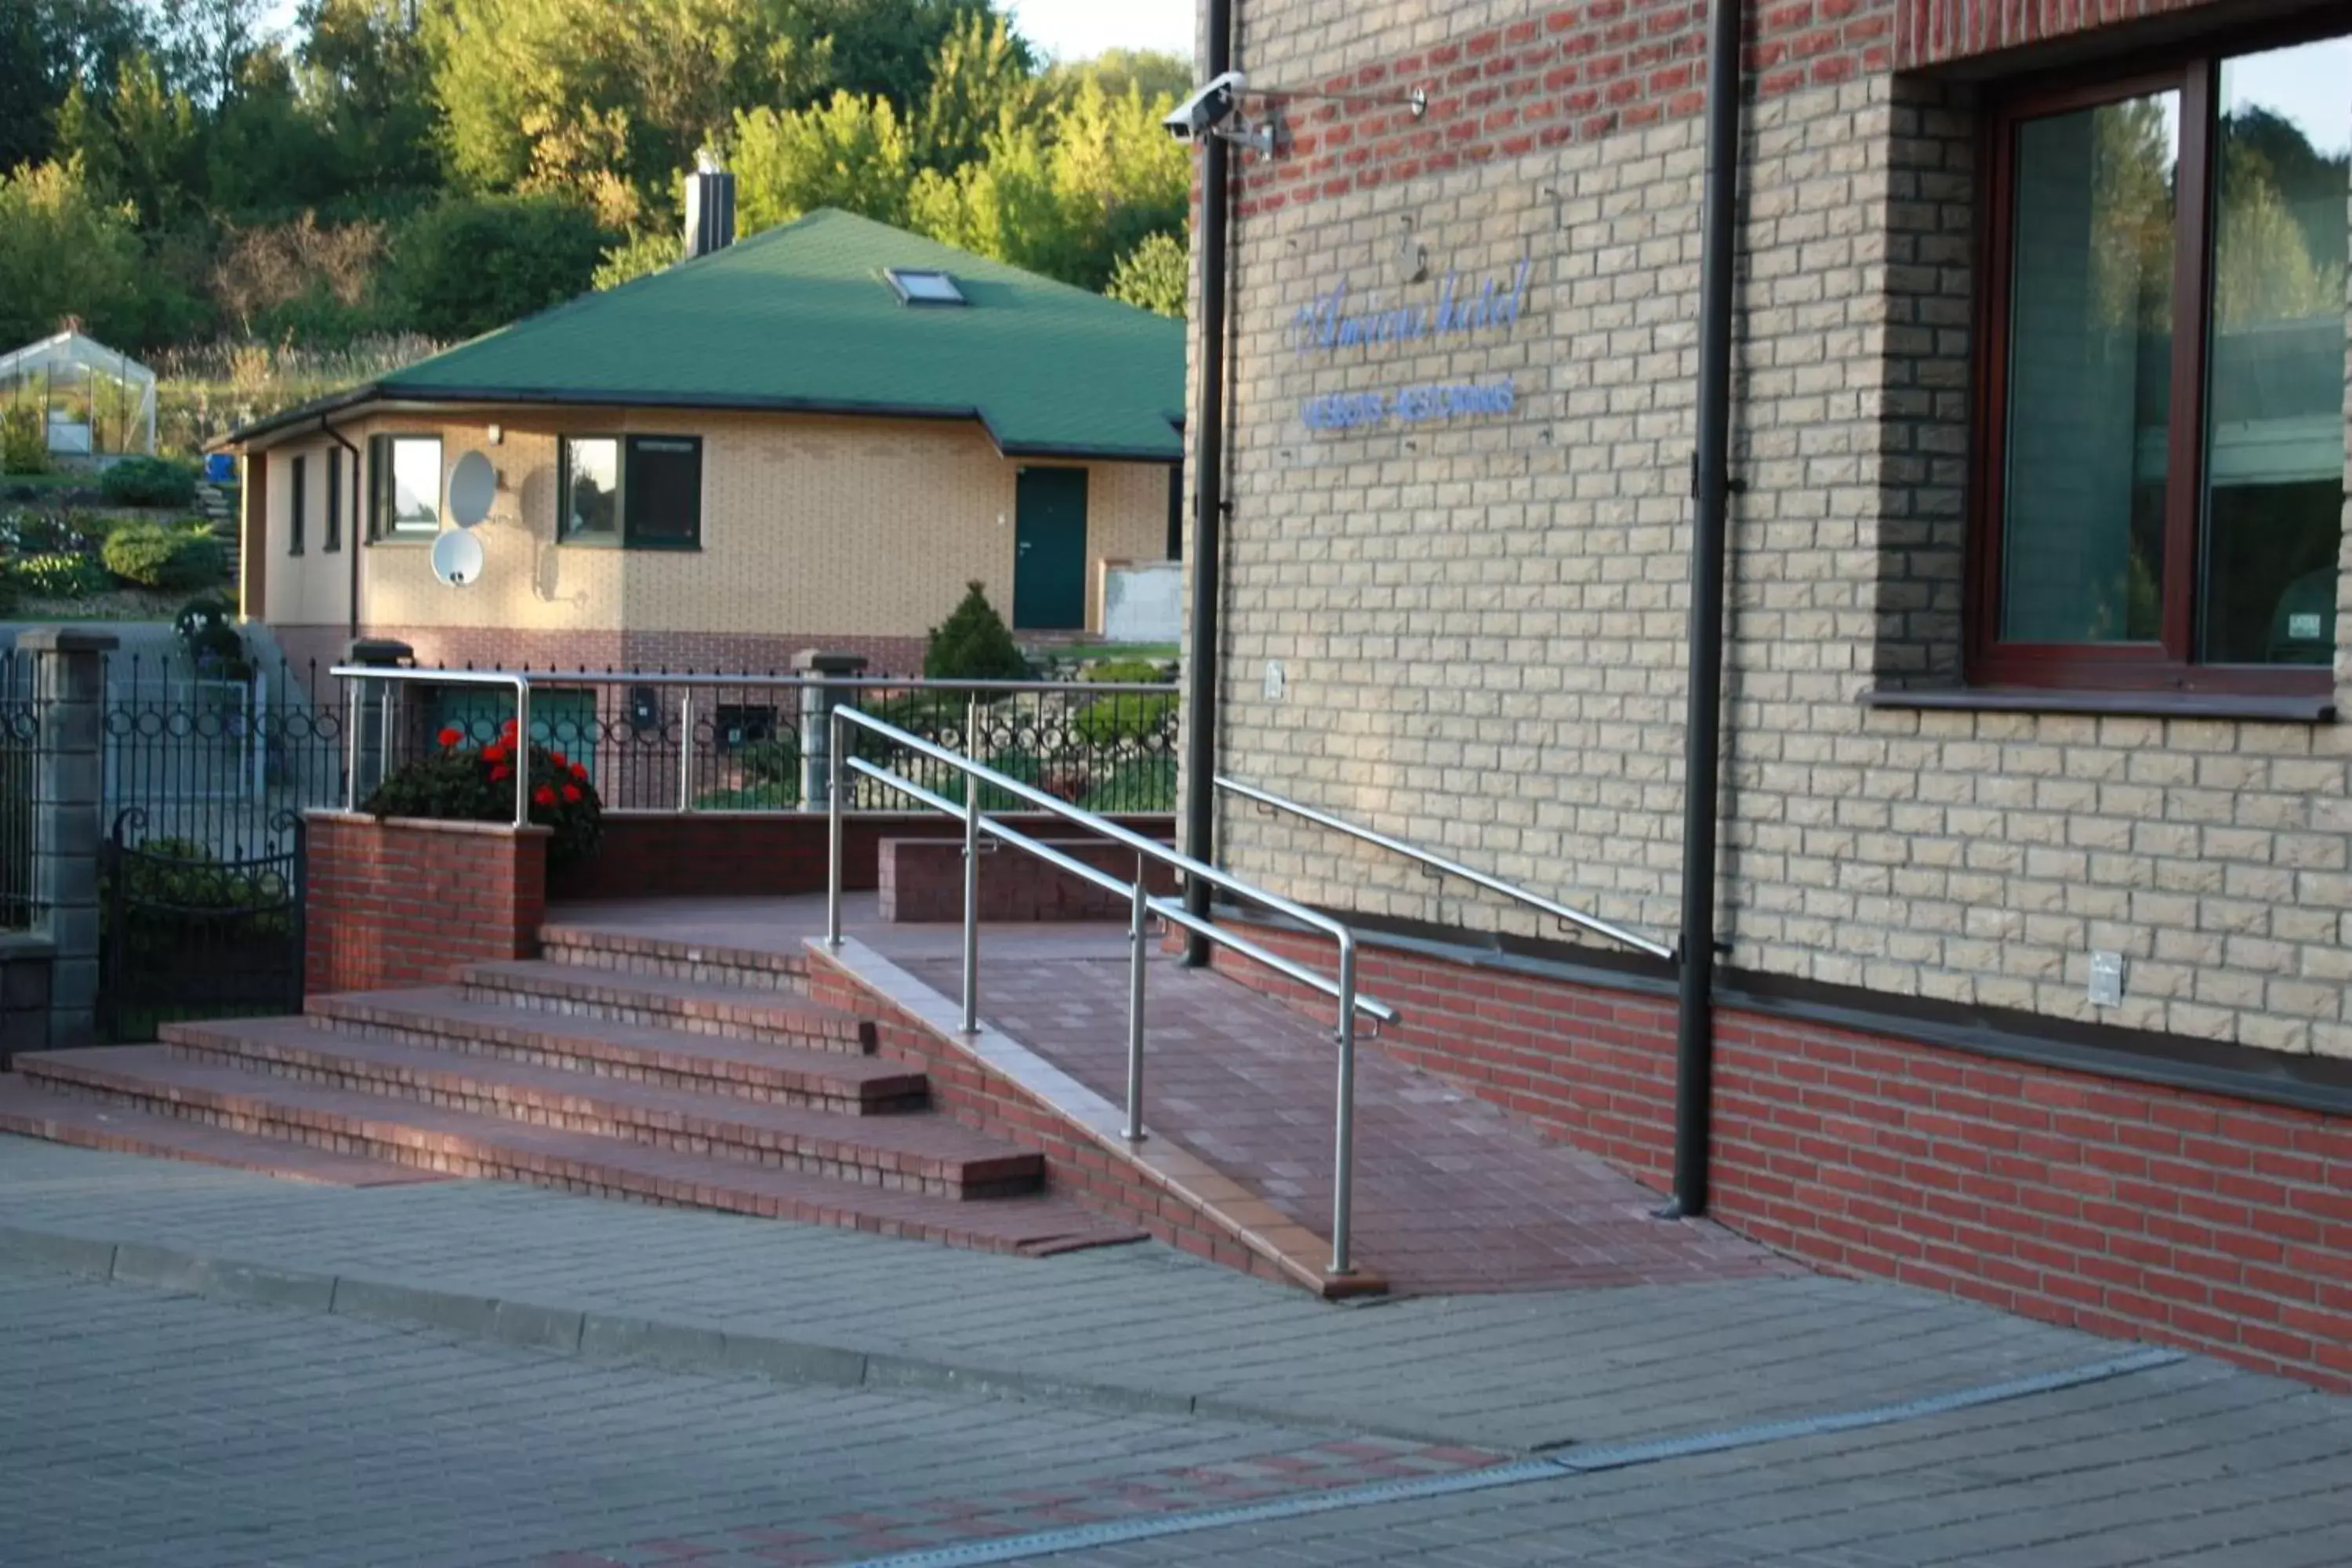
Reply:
x=1336, y=322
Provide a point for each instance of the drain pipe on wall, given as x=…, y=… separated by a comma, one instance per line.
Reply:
x=1711, y=490
x=1208, y=501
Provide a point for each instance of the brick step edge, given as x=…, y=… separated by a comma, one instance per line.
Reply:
x=625, y=952
x=356, y=1015
x=30, y=1112
x=592, y=1108
x=483, y=1153
x=614, y=1338
x=562, y=991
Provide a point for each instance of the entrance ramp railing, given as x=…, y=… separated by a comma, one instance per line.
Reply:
x=1340, y=987
x=1443, y=866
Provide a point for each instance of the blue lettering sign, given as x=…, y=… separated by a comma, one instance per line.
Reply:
x=1410, y=404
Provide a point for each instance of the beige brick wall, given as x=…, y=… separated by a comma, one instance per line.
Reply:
x=809, y=526
x=1481, y=622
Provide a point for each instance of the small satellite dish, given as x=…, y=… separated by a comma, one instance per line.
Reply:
x=457, y=558
x=473, y=485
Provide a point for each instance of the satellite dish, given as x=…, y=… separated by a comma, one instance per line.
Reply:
x=473, y=485
x=457, y=558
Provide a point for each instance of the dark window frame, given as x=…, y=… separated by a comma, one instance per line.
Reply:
x=626, y=534
x=335, y=539
x=380, y=447
x=298, y=486
x=2169, y=664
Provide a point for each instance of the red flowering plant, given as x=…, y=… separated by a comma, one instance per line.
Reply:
x=461, y=782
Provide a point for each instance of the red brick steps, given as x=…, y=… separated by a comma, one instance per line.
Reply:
x=469, y=1143
x=31, y=1112
x=445, y=1017
x=669, y=1002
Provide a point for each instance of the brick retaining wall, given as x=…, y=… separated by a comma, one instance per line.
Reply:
x=922, y=880
x=403, y=902
x=2125, y=1208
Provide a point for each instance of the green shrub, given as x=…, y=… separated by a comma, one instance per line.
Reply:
x=24, y=445
x=1124, y=672
x=60, y=576
x=149, y=482
x=175, y=887
x=1125, y=716
x=460, y=782
x=771, y=763
x=469, y=264
x=973, y=644
x=153, y=556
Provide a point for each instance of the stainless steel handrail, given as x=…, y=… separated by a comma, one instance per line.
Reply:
x=1436, y=862
x=1141, y=905
x=517, y=683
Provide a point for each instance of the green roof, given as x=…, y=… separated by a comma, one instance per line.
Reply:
x=801, y=317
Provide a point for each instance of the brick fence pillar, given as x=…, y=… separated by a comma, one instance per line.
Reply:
x=68, y=795
x=817, y=701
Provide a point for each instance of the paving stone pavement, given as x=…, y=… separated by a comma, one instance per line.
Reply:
x=1140, y=1326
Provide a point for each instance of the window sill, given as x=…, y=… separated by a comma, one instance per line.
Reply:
x=418, y=541
x=2285, y=707
x=634, y=545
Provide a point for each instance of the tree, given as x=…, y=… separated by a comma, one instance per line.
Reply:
x=140, y=144
x=470, y=264
x=1151, y=73
x=879, y=48
x=208, y=43
x=47, y=48
x=65, y=251
x=1154, y=275
x=266, y=155
x=851, y=153
x=983, y=83
x=368, y=85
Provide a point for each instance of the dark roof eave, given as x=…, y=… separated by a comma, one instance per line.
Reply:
x=318, y=407
x=393, y=391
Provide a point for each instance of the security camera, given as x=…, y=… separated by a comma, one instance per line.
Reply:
x=1205, y=109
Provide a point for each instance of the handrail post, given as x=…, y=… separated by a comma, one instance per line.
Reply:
x=1136, y=967
x=354, y=707
x=1343, y=1173
x=971, y=870
x=833, y=829
x=522, y=751
x=686, y=751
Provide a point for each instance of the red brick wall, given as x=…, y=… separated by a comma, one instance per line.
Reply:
x=765, y=855
x=2126, y=1208
x=412, y=903
x=923, y=880
x=1580, y=73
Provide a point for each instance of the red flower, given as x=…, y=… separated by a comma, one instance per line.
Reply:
x=543, y=795
x=496, y=752
x=450, y=737
x=500, y=774
x=510, y=730
x=571, y=792
x=559, y=759
x=580, y=773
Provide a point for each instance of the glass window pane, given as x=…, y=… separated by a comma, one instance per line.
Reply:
x=2090, y=374
x=665, y=489
x=2274, y=367
x=417, y=485
x=592, y=489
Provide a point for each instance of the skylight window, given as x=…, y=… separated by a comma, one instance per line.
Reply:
x=924, y=287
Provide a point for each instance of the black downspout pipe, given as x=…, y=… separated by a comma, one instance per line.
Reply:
x=1208, y=501
x=1703, y=728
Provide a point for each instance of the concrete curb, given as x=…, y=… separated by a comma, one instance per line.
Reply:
x=620, y=1340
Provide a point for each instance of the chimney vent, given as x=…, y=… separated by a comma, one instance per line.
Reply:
x=709, y=206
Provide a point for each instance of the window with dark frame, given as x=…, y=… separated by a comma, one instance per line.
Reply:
x=2161, y=504
x=298, y=487
x=335, y=539
x=641, y=492
x=404, y=487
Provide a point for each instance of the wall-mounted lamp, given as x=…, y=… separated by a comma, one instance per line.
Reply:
x=496, y=433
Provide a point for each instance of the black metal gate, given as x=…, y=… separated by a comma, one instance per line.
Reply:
x=190, y=932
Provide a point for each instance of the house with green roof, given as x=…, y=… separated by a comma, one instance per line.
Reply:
x=814, y=436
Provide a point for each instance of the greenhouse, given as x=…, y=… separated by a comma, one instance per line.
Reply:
x=77, y=398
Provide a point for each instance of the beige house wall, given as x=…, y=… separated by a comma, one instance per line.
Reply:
x=1481, y=621
x=811, y=527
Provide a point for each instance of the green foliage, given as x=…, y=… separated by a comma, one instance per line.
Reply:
x=149, y=482
x=24, y=445
x=850, y=152
x=470, y=264
x=1124, y=672
x=771, y=763
x=459, y=782
x=178, y=887
x=1126, y=716
x=153, y=556
x=65, y=250
x=973, y=644
x=140, y=144
x=1154, y=276
x=1139, y=783
x=60, y=576
x=638, y=256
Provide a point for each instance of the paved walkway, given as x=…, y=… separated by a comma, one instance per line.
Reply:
x=1451, y=1197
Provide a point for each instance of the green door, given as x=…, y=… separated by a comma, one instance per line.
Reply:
x=1049, y=551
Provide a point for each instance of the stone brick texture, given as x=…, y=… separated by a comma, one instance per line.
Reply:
x=412, y=904
x=748, y=854
x=922, y=880
x=2125, y=1208
x=849, y=527
x=1481, y=622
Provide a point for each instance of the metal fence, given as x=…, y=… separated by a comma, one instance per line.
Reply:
x=20, y=740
